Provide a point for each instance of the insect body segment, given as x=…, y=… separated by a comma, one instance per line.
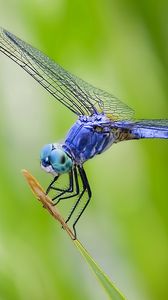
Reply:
x=87, y=137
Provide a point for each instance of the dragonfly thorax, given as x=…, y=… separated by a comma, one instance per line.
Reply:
x=89, y=136
x=54, y=159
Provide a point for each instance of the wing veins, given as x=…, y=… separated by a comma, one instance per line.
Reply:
x=76, y=94
x=28, y=66
x=20, y=58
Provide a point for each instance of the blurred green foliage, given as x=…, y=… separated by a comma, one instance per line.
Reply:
x=122, y=47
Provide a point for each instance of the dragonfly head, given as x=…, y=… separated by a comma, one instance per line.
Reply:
x=55, y=160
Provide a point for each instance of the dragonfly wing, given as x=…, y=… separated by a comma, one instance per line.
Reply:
x=144, y=128
x=79, y=96
x=106, y=103
x=49, y=74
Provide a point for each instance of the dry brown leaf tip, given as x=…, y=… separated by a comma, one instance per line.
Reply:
x=40, y=194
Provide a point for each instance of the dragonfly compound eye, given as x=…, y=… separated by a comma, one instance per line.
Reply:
x=60, y=161
x=44, y=155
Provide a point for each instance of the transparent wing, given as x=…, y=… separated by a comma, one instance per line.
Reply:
x=79, y=96
x=105, y=102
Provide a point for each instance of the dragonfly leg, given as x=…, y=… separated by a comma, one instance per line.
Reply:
x=74, y=207
x=87, y=187
x=72, y=190
x=66, y=190
x=50, y=185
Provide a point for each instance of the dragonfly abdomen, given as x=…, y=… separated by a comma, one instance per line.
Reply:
x=151, y=129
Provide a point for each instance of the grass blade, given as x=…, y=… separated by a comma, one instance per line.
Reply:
x=105, y=281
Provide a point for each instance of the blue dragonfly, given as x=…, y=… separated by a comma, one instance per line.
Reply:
x=102, y=121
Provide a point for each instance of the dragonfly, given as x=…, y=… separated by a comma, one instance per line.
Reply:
x=102, y=120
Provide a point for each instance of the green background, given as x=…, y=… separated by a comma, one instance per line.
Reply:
x=122, y=47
